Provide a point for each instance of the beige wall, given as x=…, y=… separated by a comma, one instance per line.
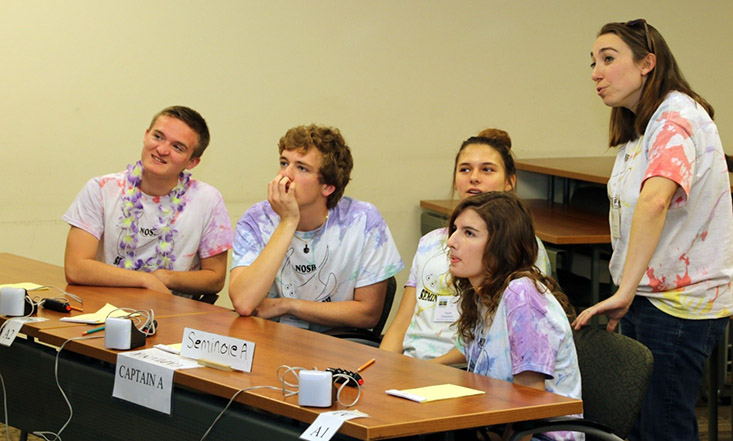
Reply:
x=405, y=81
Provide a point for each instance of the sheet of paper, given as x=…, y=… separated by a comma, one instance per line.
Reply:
x=163, y=358
x=229, y=351
x=145, y=378
x=173, y=348
x=328, y=423
x=28, y=286
x=435, y=393
x=10, y=330
x=97, y=318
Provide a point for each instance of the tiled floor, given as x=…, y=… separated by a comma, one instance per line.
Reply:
x=724, y=422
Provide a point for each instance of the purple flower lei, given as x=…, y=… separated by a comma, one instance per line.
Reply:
x=132, y=209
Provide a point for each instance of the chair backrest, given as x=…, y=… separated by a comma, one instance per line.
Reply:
x=206, y=298
x=615, y=372
x=388, y=300
x=591, y=197
x=372, y=336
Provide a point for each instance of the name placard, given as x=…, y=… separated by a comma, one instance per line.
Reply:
x=230, y=351
x=145, y=379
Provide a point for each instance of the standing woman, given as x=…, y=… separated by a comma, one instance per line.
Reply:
x=422, y=326
x=671, y=221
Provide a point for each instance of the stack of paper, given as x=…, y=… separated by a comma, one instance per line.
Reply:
x=434, y=393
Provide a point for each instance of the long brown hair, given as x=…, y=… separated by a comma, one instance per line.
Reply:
x=510, y=253
x=643, y=39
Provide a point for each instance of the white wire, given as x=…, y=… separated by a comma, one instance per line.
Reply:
x=57, y=435
x=149, y=315
x=287, y=393
x=148, y=325
x=5, y=400
x=343, y=385
x=230, y=402
x=5, y=397
x=281, y=377
x=72, y=296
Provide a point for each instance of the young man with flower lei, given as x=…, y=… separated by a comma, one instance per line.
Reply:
x=307, y=256
x=152, y=226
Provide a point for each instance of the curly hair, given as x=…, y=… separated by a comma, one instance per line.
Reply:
x=192, y=119
x=643, y=39
x=336, y=160
x=496, y=139
x=510, y=253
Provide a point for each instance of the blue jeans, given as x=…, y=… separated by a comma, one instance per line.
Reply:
x=680, y=348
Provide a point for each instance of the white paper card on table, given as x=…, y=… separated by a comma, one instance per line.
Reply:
x=223, y=349
x=164, y=358
x=174, y=348
x=10, y=331
x=28, y=286
x=165, y=355
x=97, y=318
x=32, y=319
x=145, y=380
x=405, y=395
x=328, y=423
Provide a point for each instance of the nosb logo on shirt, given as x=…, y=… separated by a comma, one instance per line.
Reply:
x=147, y=231
x=305, y=269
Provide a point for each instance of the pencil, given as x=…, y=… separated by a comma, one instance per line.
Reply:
x=91, y=331
x=366, y=365
x=214, y=364
x=76, y=308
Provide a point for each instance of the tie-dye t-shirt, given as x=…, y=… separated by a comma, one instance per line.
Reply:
x=529, y=332
x=353, y=249
x=203, y=228
x=689, y=275
x=425, y=337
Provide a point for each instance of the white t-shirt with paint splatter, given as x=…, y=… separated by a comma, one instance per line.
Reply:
x=689, y=275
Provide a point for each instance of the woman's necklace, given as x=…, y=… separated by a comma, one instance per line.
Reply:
x=132, y=210
x=306, y=250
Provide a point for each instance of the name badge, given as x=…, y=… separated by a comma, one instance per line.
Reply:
x=446, y=309
x=615, y=219
x=229, y=351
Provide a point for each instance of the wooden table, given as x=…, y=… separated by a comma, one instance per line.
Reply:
x=596, y=169
x=16, y=269
x=278, y=344
x=554, y=223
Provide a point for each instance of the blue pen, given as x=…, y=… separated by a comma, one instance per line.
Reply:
x=101, y=328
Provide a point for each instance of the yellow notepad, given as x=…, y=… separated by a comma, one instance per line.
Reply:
x=435, y=393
